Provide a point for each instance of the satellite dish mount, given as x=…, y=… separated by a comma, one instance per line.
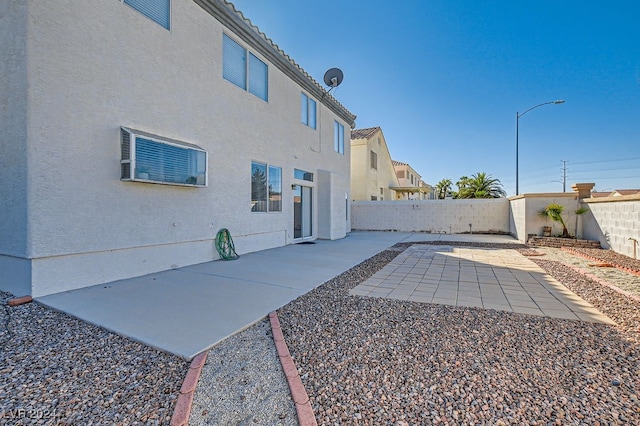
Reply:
x=333, y=77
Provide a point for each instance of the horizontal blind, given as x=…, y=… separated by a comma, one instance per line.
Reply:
x=257, y=77
x=158, y=10
x=234, y=66
x=168, y=163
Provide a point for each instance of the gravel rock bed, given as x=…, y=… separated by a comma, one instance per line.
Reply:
x=624, y=310
x=378, y=361
x=242, y=383
x=617, y=277
x=362, y=360
x=611, y=256
x=61, y=370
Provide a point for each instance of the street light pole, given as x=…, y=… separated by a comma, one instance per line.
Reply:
x=518, y=115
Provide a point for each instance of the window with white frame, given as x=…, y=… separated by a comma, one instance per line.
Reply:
x=338, y=137
x=153, y=159
x=307, y=111
x=244, y=69
x=266, y=188
x=158, y=10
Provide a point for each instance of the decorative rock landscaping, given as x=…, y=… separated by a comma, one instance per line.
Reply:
x=362, y=360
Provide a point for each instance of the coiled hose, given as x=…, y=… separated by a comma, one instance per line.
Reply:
x=224, y=245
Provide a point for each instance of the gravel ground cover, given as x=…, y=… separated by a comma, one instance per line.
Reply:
x=362, y=360
x=59, y=370
x=611, y=257
x=378, y=361
x=618, y=278
x=242, y=383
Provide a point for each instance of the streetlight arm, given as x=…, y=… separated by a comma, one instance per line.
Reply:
x=518, y=115
x=559, y=101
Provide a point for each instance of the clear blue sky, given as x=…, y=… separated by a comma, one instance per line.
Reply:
x=445, y=78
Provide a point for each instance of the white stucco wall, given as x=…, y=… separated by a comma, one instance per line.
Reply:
x=13, y=127
x=613, y=222
x=15, y=269
x=437, y=216
x=96, y=65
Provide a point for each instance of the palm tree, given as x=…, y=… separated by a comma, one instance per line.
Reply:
x=461, y=184
x=480, y=185
x=554, y=212
x=443, y=188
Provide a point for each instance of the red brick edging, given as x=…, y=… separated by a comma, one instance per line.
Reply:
x=298, y=392
x=602, y=282
x=16, y=301
x=183, y=406
x=595, y=259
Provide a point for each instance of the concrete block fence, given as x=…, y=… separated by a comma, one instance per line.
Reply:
x=613, y=222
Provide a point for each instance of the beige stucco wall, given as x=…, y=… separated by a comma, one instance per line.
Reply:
x=96, y=65
x=366, y=181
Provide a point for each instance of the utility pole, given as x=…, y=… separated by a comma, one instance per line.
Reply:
x=564, y=175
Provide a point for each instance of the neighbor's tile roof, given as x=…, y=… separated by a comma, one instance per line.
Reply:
x=627, y=191
x=364, y=133
x=399, y=163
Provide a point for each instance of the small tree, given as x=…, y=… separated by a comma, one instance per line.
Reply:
x=554, y=212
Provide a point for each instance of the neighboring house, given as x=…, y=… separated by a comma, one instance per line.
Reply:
x=615, y=193
x=134, y=130
x=372, y=172
x=411, y=185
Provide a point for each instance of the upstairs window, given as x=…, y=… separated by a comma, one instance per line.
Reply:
x=153, y=159
x=158, y=10
x=307, y=111
x=338, y=137
x=374, y=160
x=248, y=74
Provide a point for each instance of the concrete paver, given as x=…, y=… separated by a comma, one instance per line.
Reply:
x=477, y=277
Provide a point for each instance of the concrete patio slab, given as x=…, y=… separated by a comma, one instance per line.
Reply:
x=188, y=310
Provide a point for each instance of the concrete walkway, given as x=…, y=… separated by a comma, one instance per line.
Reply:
x=188, y=310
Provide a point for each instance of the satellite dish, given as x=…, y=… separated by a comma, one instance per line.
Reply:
x=333, y=77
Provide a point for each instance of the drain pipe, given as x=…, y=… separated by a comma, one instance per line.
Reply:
x=635, y=246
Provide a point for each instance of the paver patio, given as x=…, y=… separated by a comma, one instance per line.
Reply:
x=499, y=279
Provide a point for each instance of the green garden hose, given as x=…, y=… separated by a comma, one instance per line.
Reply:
x=224, y=245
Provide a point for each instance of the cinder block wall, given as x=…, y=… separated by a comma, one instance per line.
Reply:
x=436, y=216
x=613, y=221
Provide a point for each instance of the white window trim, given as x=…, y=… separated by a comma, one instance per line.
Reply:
x=131, y=161
x=309, y=99
x=247, y=76
x=267, y=167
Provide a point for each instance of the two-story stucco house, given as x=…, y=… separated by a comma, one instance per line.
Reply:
x=372, y=174
x=134, y=130
x=412, y=187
